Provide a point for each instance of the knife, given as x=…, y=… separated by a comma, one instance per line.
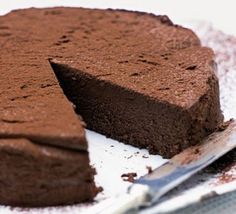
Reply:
x=148, y=189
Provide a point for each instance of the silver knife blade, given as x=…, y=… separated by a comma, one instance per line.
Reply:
x=187, y=163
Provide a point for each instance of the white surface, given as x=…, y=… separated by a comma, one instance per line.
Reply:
x=219, y=12
x=110, y=158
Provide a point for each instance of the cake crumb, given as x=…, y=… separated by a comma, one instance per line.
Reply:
x=149, y=168
x=197, y=151
x=130, y=177
x=99, y=189
x=224, y=125
x=227, y=175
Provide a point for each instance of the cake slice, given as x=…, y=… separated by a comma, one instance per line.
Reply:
x=35, y=175
x=33, y=105
x=43, y=150
x=132, y=76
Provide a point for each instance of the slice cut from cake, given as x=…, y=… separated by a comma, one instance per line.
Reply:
x=132, y=76
x=37, y=175
x=43, y=150
x=33, y=105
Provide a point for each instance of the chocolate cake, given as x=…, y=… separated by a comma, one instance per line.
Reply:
x=132, y=76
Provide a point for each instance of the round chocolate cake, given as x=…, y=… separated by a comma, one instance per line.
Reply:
x=132, y=76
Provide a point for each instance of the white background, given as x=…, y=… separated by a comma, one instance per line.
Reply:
x=221, y=13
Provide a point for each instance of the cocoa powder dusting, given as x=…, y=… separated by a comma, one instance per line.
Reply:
x=228, y=175
x=191, y=156
x=224, y=47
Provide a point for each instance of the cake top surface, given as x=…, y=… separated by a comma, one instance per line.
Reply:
x=33, y=105
x=141, y=52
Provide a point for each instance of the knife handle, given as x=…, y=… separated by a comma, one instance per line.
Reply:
x=133, y=199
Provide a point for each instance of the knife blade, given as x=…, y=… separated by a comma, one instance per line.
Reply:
x=147, y=190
